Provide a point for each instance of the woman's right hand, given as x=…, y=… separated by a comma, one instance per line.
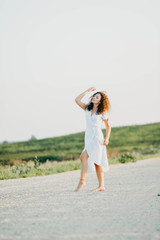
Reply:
x=91, y=89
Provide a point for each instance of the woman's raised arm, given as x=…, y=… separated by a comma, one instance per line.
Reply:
x=79, y=97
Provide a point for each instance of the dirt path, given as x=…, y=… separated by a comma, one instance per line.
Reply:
x=48, y=208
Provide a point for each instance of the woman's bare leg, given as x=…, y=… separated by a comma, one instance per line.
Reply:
x=99, y=171
x=84, y=167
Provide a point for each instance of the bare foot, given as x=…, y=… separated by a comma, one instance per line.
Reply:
x=98, y=189
x=80, y=186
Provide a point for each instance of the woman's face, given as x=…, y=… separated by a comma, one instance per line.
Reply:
x=96, y=98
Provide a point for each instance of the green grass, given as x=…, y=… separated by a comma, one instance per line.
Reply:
x=29, y=170
x=32, y=169
x=59, y=154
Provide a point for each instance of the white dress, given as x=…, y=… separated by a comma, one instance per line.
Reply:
x=94, y=140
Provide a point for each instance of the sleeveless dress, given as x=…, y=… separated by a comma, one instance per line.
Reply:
x=94, y=139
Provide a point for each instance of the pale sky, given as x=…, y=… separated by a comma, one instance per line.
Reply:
x=51, y=51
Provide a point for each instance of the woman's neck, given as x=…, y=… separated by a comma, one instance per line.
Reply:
x=95, y=106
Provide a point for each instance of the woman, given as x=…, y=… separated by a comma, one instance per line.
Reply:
x=94, y=155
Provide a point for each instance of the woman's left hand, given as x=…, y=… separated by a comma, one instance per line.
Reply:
x=106, y=142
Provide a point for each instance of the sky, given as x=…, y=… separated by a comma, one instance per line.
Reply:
x=53, y=50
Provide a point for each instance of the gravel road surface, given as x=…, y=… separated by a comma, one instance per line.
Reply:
x=48, y=208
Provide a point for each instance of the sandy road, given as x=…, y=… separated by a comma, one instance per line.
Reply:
x=48, y=208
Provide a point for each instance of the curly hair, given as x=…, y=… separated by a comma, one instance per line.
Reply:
x=104, y=105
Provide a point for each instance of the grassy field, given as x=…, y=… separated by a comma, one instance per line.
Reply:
x=59, y=154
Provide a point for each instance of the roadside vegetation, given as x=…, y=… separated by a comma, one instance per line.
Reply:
x=60, y=154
